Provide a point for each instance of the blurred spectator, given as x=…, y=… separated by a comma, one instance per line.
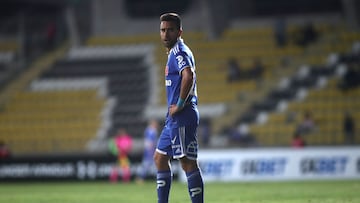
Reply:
x=351, y=78
x=239, y=136
x=310, y=34
x=306, y=35
x=280, y=32
x=120, y=146
x=307, y=125
x=349, y=128
x=257, y=69
x=150, y=141
x=298, y=141
x=233, y=70
x=4, y=151
x=50, y=35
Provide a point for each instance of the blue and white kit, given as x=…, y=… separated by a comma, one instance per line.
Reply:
x=178, y=137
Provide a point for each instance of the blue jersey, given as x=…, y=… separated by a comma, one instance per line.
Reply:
x=180, y=57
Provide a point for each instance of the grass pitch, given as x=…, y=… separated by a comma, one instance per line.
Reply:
x=257, y=192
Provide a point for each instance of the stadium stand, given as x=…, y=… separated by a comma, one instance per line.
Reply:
x=315, y=89
x=51, y=121
x=119, y=91
x=7, y=60
x=112, y=74
x=127, y=81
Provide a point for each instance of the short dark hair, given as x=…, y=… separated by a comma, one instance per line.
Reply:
x=173, y=17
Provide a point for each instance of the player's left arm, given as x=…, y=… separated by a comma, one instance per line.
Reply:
x=187, y=77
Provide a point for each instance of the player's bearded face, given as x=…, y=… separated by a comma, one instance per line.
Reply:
x=169, y=33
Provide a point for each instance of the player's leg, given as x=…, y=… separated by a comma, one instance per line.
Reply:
x=188, y=160
x=194, y=179
x=163, y=177
x=125, y=168
x=162, y=163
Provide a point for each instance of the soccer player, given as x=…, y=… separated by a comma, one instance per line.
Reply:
x=150, y=140
x=178, y=139
x=121, y=145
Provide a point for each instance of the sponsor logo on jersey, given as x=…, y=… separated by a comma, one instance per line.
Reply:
x=181, y=61
x=167, y=83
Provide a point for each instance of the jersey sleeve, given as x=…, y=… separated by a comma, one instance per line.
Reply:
x=183, y=61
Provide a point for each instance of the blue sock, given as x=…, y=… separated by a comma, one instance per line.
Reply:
x=163, y=180
x=196, y=186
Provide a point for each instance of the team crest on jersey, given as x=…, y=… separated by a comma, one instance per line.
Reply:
x=192, y=148
x=166, y=70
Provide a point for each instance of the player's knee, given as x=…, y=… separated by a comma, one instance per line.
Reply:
x=161, y=161
x=188, y=165
x=156, y=158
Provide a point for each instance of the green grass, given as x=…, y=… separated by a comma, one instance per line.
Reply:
x=258, y=192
